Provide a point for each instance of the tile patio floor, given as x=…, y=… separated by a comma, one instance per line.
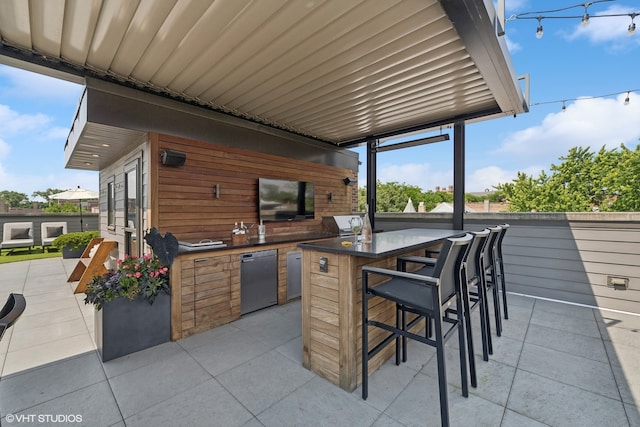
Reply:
x=556, y=364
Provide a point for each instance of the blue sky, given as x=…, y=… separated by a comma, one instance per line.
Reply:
x=568, y=62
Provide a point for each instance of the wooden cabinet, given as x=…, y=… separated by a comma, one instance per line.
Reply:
x=205, y=288
x=209, y=294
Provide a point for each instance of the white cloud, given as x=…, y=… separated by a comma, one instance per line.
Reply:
x=422, y=175
x=26, y=84
x=56, y=134
x=4, y=150
x=13, y=123
x=512, y=45
x=486, y=178
x=586, y=122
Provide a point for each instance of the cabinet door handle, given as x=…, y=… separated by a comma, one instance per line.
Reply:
x=200, y=259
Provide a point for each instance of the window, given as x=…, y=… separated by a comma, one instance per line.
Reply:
x=111, y=205
x=132, y=208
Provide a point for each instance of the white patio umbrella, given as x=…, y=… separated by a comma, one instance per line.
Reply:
x=76, y=194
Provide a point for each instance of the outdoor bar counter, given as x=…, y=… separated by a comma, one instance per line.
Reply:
x=332, y=297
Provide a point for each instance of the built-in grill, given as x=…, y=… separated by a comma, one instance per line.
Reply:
x=338, y=224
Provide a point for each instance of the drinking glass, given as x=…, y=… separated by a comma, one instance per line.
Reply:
x=356, y=227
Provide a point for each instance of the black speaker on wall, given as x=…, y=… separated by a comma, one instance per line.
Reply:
x=173, y=158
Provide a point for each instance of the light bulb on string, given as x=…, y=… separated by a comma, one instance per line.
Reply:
x=626, y=100
x=539, y=31
x=564, y=107
x=585, y=19
x=632, y=27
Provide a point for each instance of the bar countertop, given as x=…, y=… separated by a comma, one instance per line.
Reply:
x=255, y=243
x=383, y=244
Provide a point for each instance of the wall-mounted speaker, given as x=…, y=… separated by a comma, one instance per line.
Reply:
x=173, y=158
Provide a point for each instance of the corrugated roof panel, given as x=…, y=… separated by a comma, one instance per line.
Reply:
x=144, y=26
x=302, y=54
x=80, y=18
x=47, y=21
x=15, y=25
x=238, y=73
x=169, y=37
x=112, y=25
x=266, y=21
x=374, y=67
x=194, y=52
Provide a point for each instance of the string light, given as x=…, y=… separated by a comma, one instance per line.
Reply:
x=564, y=101
x=539, y=31
x=585, y=18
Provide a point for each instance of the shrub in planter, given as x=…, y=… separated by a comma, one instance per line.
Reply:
x=72, y=244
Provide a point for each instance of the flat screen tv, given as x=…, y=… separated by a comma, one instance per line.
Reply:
x=285, y=200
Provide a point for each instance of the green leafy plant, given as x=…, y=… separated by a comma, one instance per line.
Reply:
x=74, y=240
x=142, y=276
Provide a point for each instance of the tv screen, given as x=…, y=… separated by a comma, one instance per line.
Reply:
x=285, y=200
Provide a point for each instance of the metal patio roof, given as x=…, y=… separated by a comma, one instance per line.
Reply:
x=338, y=71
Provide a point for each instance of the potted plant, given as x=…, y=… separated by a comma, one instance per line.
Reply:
x=132, y=302
x=72, y=245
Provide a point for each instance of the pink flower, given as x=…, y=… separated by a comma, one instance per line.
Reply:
x=138, y=274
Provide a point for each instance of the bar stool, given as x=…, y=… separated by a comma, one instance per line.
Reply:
x=427, y=296
x=473, y=292
x=488, y=266
x=500, y=265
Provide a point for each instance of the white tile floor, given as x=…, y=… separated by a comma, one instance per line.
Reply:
x=556, y=364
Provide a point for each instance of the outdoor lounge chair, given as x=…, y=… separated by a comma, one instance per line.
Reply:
x=50, y=230
x=17, y=235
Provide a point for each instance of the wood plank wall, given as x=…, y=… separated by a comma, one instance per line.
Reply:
x=183, y=201
x=559, y=256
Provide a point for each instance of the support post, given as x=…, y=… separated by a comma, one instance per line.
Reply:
x=372, y=180
x=458, y=175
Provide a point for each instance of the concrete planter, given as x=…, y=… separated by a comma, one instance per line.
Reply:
x=123, y=327
x=69, y=252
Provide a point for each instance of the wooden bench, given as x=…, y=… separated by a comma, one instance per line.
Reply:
x=89, y=266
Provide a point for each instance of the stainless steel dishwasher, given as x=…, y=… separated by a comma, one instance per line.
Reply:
x=258, y=280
